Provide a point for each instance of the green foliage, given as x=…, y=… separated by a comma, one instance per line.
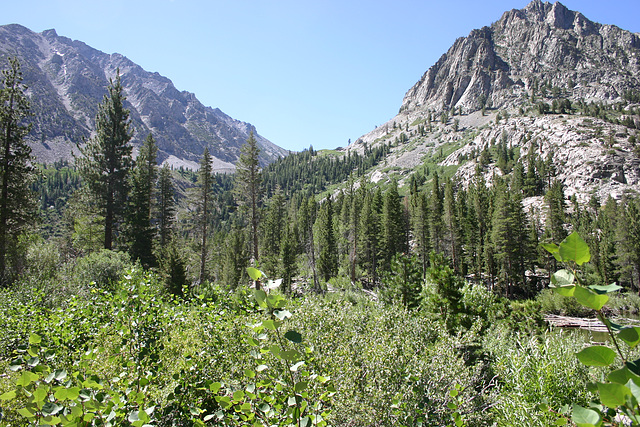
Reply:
x=403, y=283
x=102, y=269
x=619, y=394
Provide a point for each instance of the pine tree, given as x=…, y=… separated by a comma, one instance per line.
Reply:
x=273, y=229
x=420, y=226
x=451, y=226
x=17, y=202
x=106, y=161
x=436, y=226
x=368, y=231
x=248, y=189
x=204, y=208
x=166, y=207
x=143, y=181
x=307, y=218
x=393, y=238
x=327, y=250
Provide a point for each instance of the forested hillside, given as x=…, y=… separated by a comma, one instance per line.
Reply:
x=406, y=280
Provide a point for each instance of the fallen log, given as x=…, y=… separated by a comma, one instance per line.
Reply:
x=594, y=325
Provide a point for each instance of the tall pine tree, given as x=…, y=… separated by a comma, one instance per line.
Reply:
x=17, y=203
x=105, y=164
x=141, y=232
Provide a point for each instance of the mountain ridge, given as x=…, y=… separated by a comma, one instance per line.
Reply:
x=67, y=80
x=516, y=73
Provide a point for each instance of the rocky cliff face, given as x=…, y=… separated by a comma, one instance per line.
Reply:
x=518, y=69
x=67, y=81
x=542, y=44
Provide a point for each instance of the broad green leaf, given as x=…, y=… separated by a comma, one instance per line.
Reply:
x=8, y=395
x=597, y=355
x=34, y=339
x=40, y=394
x=238, y=395
x=249, y=373
x=622, y=376
x=584, y=417
x=589, y=298
x=261, y=297
x=51, y=420
x=215, y=387
x=550, y=247
x=27, y=378
x=25, y=413
x=563, y=278
x=605, y=289
x=293, y=336
x=573, y=248
x=271, y=324
x=613, y=395
x=630, y=335
x=565, y=291
x=261, y=368
x=290, y=355
x=561, y=422
x=254, y=273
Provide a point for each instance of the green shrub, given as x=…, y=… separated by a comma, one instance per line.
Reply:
x=103, y=268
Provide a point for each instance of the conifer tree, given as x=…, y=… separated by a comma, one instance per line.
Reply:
x=327, y=250
x=273, y=229
x=204, y=208
x=368, y=238
x=106, y=161
x=436, y=226
x=420, y=226
x=451, y=225
x=307, y=218
x=248, y=190
x=166, y=207
x=143, y=181
x=17, y=202
x=393, y=226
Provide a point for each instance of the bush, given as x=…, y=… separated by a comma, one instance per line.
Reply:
x=103, y=268
x=554, y=303
x=532, y=370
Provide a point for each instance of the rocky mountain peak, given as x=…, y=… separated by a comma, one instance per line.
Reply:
x=542, y=79
x=67, y=80
x=497, y=66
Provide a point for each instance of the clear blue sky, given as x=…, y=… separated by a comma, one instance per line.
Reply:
x=303, y=72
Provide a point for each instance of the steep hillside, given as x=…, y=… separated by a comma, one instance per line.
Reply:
x=67, y=80
x=543, y=77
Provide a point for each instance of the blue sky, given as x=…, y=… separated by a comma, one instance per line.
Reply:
x=303, y=72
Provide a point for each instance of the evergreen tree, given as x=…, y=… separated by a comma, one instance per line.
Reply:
x=143, y=180
x=307, y=218
x=436, y=225
x=327, y=250
x=248, y=189
x=451, y=226
x=273, y=229
x=17, y=202
x=393, y=238
x=629, y=248
x=235, y=258
x=368, y=231
x=204, y=208
x=106, y=161
x=166, y=207
x=288, y=257
x=420, y=227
